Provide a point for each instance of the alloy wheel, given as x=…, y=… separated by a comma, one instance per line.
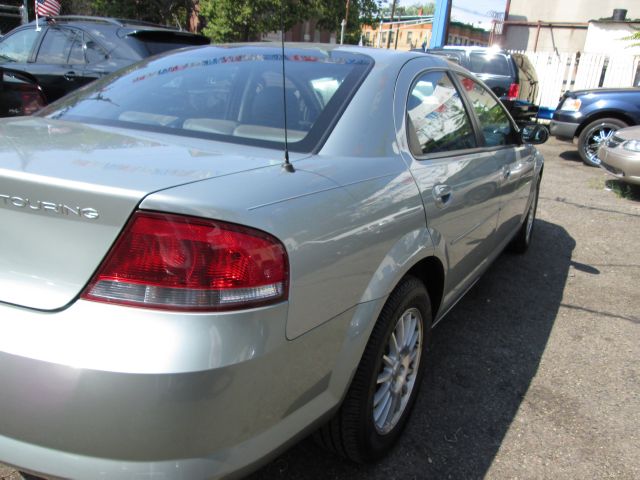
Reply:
x=597, y=137
x=396, y=379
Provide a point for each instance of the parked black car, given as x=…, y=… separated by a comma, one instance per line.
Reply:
x=592, y=116
x=67, y=52
x=20, y=93
x=511, y=76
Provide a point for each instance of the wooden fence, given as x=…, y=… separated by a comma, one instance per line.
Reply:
x=559, y=72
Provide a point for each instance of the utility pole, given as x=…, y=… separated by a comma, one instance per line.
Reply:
x=24, y=12
x=343, y=24
x=346, y=17
x=393, y=12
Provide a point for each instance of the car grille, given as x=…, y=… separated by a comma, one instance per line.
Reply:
x=614, y=141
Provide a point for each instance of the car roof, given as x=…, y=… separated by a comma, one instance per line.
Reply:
x=381, y=56
x=468, y=49
x=106, y=26
x=106, y=22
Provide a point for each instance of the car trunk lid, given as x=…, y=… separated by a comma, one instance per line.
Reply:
x=67, y=190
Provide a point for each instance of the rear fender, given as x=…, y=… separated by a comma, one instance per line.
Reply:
x=403, y=255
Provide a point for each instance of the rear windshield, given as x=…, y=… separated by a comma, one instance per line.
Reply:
x=494, y=64
x=455, y=55
x=228, y=94
x=153, y=42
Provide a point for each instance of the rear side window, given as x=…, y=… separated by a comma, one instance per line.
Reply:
x=86, y=50
x=494, y=64
x=496, y=127
x=93, y=53
x=230, y=94
x=528, y=78
x=149, y=43
x=57, y=46
x=437, y=120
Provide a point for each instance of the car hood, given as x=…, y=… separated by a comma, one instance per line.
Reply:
x=606, y=91
x=67, y=190
x=629, y=133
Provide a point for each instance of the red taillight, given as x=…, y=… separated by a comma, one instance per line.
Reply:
x=185, y=263
x=31, y=98
x=514, y=91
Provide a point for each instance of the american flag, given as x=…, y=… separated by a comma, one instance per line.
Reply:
x=47, y=8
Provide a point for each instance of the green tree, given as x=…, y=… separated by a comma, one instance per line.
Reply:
x=167, y=12
x=635, y=36
x=411, y=10
x=236, y=20
x=246, y=20
x=361, y=12
x=241, y=20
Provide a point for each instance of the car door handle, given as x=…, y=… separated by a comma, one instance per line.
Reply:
x=442, y=194
x=506, y=172
x=71, y=75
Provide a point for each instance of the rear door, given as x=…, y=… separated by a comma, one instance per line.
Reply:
x=55, y=68
x=494, y=69
x=459, y=180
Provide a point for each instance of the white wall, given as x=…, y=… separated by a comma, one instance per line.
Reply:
x=571, y=10
x=558, y=39
x=605, y=37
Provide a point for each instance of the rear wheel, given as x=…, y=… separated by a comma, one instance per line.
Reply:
x=384, y=388
x=594, y=135
x=28, y=476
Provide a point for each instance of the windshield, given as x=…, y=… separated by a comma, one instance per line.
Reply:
x=494, y=64
x=232, y=94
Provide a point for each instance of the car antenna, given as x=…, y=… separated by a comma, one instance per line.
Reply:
x=286, y=164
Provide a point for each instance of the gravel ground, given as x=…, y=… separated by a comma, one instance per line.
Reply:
x=535, y=373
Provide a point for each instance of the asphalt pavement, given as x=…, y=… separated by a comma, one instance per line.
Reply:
x=535, y=374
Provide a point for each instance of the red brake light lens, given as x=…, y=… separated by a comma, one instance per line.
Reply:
x=175, y=262
x=31, y=98
x=514, y=91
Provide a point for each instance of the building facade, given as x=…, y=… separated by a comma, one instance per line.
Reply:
x=415, y=32
x=550, y=25
x=307, y=31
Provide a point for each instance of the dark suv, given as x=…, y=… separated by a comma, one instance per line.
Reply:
x=67, y=52
x=593, y=116
x=511, y=76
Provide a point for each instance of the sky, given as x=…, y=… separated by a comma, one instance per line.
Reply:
x=461, y=10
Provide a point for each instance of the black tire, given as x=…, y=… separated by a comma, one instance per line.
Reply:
x=593, y=135
x=352, y=432
x=522, y=240
x=28, y=476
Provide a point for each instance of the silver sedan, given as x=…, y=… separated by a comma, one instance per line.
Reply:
x=620, y=155
x=218, y=251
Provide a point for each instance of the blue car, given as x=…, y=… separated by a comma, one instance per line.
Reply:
x=592, y=116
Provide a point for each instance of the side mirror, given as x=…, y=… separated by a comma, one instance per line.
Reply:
x=534, y=134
